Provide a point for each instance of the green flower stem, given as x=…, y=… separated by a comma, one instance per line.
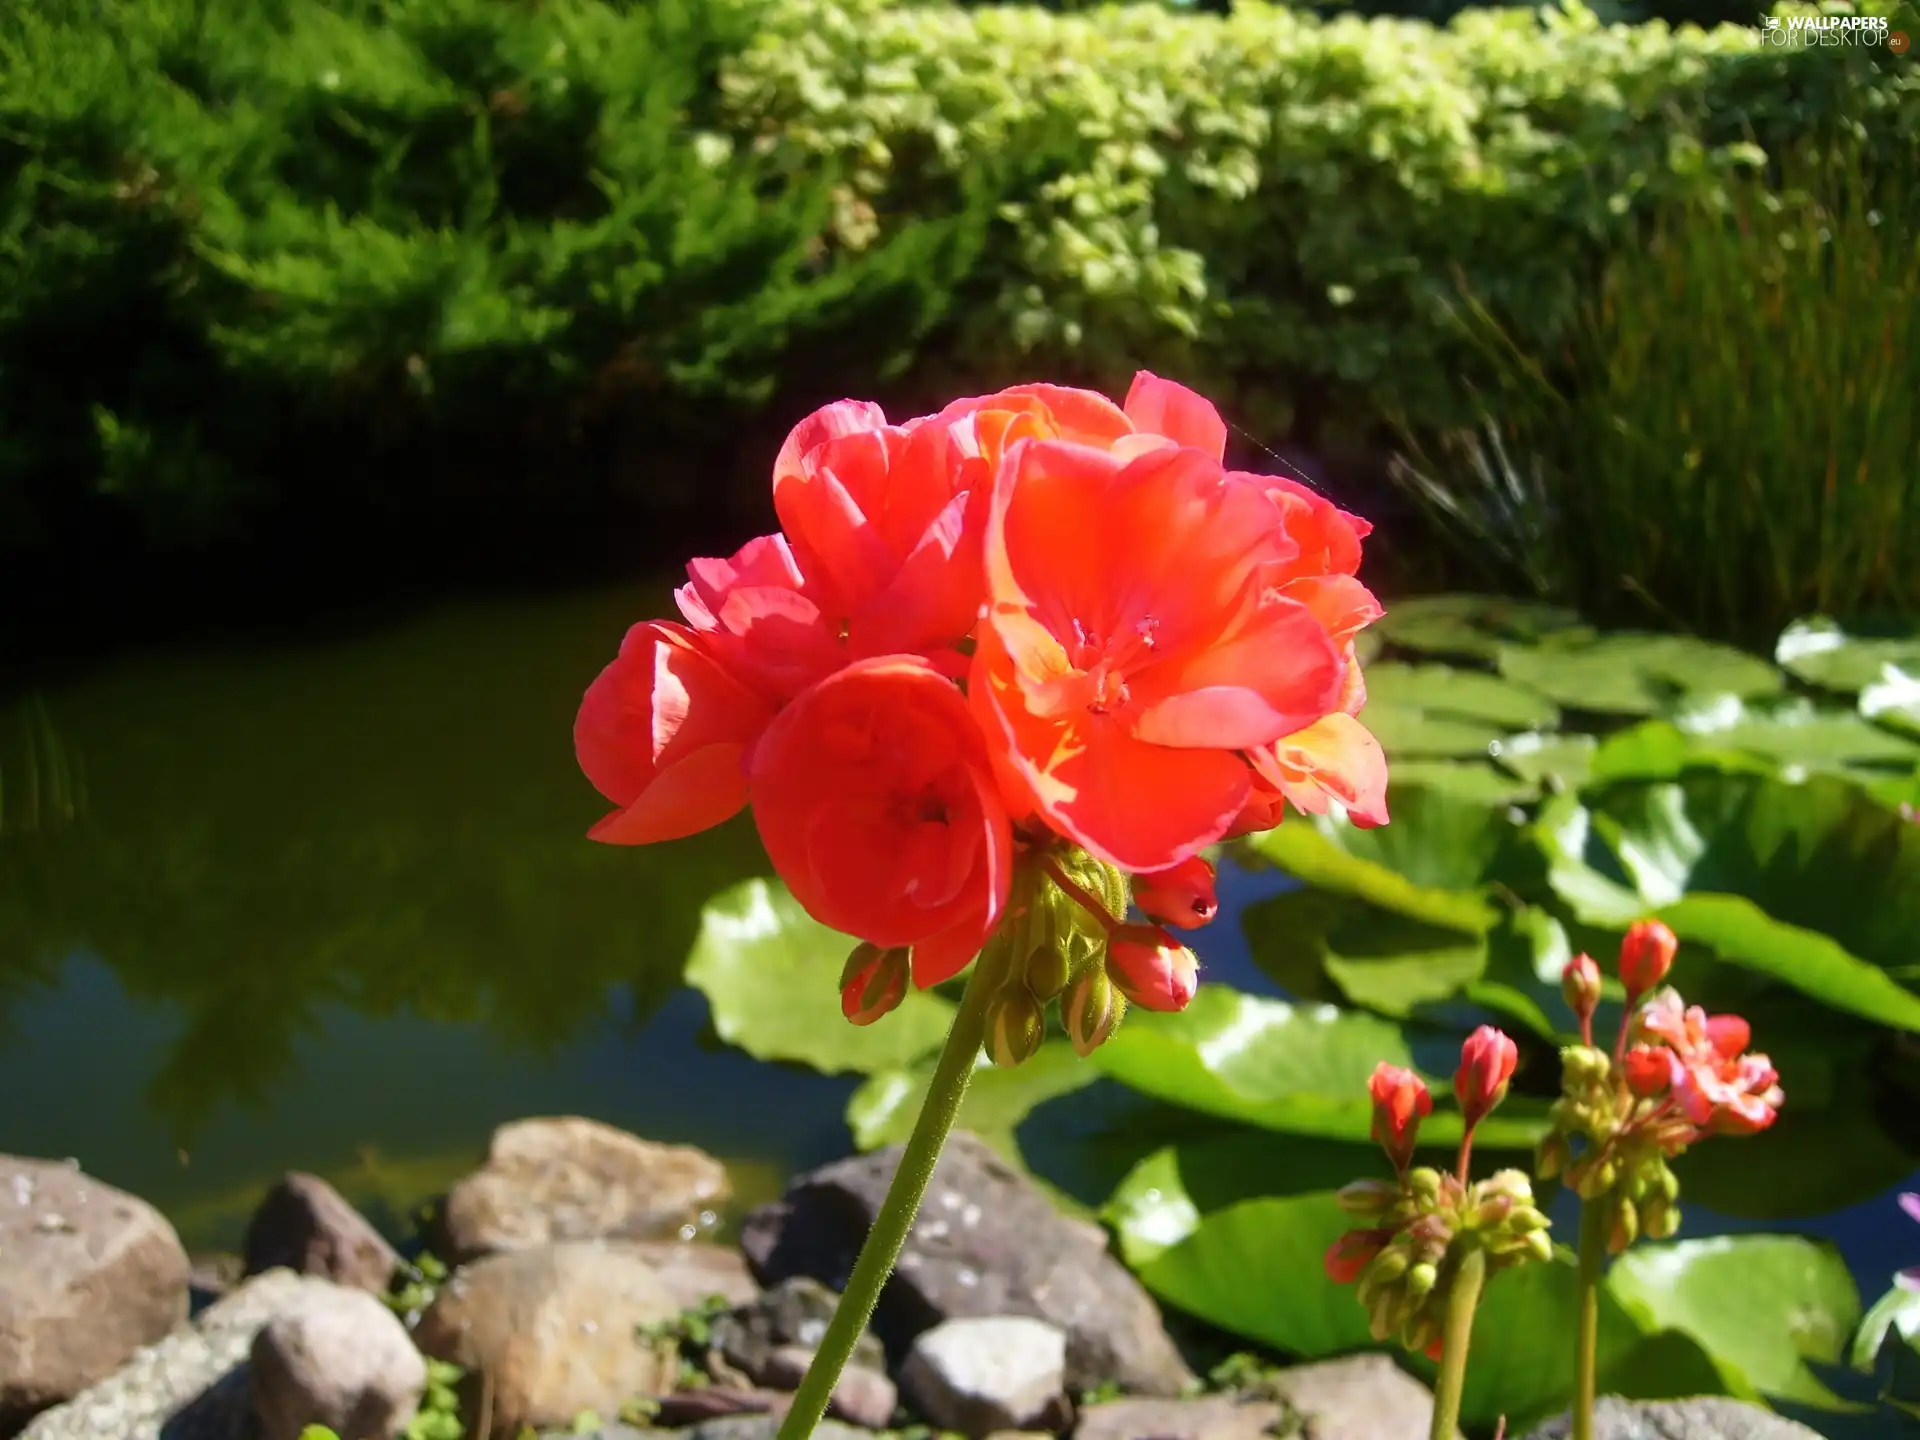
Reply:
x=1586, y=1360
x=890, y=1226
x=1456, y=1334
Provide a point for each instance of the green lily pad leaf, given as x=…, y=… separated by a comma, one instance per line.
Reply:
x=1478, y=782
x=1894, y=700
x=771, y=974
x=1404, y=732
x=1897, y=1310
x=1668, y=1365
x=1631, y=673
x=1441, y=690
x=1659, y=750
x=1432, y=863
x=1792, y=730
x=1287, y=938
x=1163, y=1199
x=1535, y=757
x=1281, y=1067
x=1822, y=653
x=1761, y=1305
x=1472, y=626
x=1376, y=959
x=1813, y=884
x=1254, y=1269
x=1526, y=952
x=882, y=1111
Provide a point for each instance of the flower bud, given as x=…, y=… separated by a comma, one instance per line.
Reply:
x=1090, y=1009
x=1659, y=1218
x=1648, y=1070
x=1487, y=1060
x=1348, y=1256
x=1388, y=1266
x=873, y=982
x=1182, y=895
x=1365, y=1199
x=1015, y=1025
x=1152, y=969
x=1400, y=1100
x=1646, y=954
x=1582, y=1066
x=1626, y=1226
x=1420, y=1281
x=1552, y=1156
x=1422, y=1184
x=1580, y=984
x=1540, y=1245
x=1047, y=969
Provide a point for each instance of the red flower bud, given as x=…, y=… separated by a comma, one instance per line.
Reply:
x=1348, y=1256
x=1151, y=968
x=1729, y=1035
x=1182, y=895
x=1648, y=1070
x=874, y=982
x=1486, y=1065
x=1646, y=954
x=1400, y=1100
x=1580, y=983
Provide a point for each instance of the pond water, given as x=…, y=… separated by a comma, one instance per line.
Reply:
x=327, y=905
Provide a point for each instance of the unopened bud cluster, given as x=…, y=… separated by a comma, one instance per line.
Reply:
x=1416, y=1227
x=1066, y=940
x=1676, y=1076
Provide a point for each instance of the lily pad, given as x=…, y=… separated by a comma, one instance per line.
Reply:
x=1894, y=700
x=1479, y=782
x=1633, y=673
x=1824, y=653
x=1761, y=1305
x=771, y=974
x=1472, y=626
x=1539, y=759
x=1659, y=750
x=1404, y=731
x=1379, y=960
x=1792, y=730
x=1898, y=1310
x=1432, y=863
x=1442, y=690
x=883, y=1109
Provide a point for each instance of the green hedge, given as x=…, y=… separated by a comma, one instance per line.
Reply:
x=435, y=250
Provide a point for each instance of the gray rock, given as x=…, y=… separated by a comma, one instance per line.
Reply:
x=1210, y=1417
x=1700, y=1419
x=765, y=1427
x=794, y=1312
x=712, y=1402
x=554, y=1180
x=862, y=1396
x=307, y=1226
x=90, y=1274
x=697, y=1272
x=551, y=1332
x=986, y=1243
x=339, y=1358
x=194, y=1385
x=601, y=1432
x=1359, y=1397
x=988, y=1373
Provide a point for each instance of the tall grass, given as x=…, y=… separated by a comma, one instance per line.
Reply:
x=42, y=782
x=1733, y=439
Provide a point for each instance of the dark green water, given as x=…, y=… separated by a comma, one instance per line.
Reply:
x=328, y=905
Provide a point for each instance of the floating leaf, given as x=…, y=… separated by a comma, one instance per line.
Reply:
x=1441, y=690
x=1526, y=952
x=1822, y=653
x=883, y=1109
x=1897, y=1310
x=1478, y=782
x=1761, y=1305
x=1374, y=958
x=1472, y=626
x=1894, y=700
x=1792, y=730
x=1632, y=673
x=771, y=974
x=1403, y=731
x=1535, y=757
x=1658, y=750
x=1432, y=863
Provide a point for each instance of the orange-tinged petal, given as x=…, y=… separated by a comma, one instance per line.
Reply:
x=1329, y=538
x=1162, y=407
x=1334, y=758
x=1343, y=606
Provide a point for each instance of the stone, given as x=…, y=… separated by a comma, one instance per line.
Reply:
x=554, y=1180
x=765, y=1427
x=987, y=1373
x=1358, y=1397
x=551, y=1332
x=88, y=1274
x=1699, y=1419
x=711, y=1402
x=338, y=1358
x=194, y=1385
x=794, y=1312
x=987, y=1242
x=305, y=1225
x=1210, y=1417
x=697, y=1272
x=862, y=1396
x=615, y=1431
x=212, y=1274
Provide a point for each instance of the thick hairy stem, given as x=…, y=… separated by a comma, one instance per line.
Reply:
x=1456, y=1335
x=1593, y=1261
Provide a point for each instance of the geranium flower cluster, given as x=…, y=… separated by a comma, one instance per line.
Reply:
x=1675, y=1076
x=996, y=661
x=1418, y=1227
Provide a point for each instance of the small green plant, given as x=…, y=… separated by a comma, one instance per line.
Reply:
x=414, y=1285
x=439, y=1415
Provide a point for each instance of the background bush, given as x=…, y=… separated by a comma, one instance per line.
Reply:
x=452, y=257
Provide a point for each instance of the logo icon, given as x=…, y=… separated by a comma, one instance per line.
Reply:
x=1898, y=42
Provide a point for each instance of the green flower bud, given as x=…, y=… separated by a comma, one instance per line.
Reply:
x=1539, y=1245
x=1553, y=1156
x=1366, y=1199
x=1659, y=1218
x=1420, y=1281
x=1048, y=970
x=1423, y=1184
x=1091, y=1009
x=1626, y=1225
x=1016, y=1026
x=1386, y=1268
